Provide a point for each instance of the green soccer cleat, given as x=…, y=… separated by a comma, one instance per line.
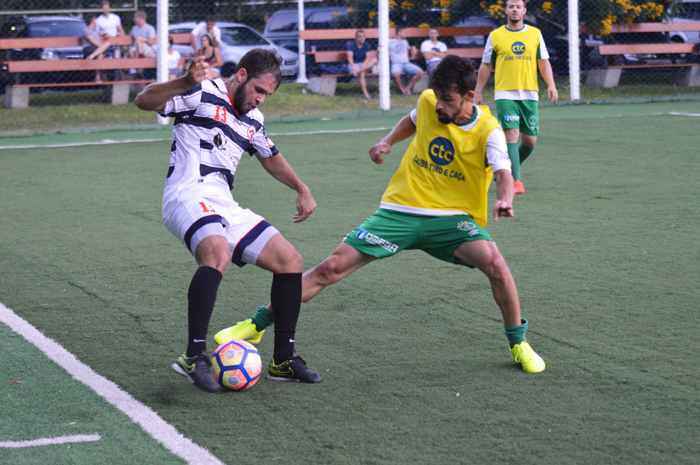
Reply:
x=293, y=369
x=241, y=331
x=523, y=354
x=197, y=370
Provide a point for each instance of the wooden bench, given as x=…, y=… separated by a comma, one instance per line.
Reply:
x=115, y=91
x=326, y=83
x=609, y=76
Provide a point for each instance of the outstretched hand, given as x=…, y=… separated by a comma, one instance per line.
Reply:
x=375, y=153
x=502, y=208
x=198, y=70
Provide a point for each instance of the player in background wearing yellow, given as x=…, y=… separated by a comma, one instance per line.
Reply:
x=517, y=50
x=437, y=201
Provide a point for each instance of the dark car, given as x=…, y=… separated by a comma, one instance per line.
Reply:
x=43, y=27
x=283, y=27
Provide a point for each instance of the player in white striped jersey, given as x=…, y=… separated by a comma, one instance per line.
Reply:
x=216, y=121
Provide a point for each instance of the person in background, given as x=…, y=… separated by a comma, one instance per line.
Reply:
x=109, y=25
x=212, y=56
x=400, y=63
x=144, y=37
x=206, y=28
x=433, y=50
x=93, y=47
x=518, y=51
x=360, y=59
x=174, y=61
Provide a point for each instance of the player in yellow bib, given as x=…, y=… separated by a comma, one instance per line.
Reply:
x=436, y=202
x=517, y=50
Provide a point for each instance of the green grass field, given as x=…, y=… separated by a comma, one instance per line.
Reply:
x=603, y=248
x=57, y=111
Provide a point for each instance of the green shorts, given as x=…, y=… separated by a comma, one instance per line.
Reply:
x=519, y=114
x=388, y=232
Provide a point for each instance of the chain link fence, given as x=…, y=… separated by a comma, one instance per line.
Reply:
x=79, y=63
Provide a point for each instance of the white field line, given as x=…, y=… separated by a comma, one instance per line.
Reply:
x=150, y=421
x=678, y=113
x=50, y=441
x=131, y=141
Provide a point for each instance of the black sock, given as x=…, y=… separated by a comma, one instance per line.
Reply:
x=201, y=298
x=286, y=303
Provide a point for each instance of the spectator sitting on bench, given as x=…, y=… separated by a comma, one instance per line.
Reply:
x=144, y=37
x=174, y=61
x=400, y=63
x=92, y=48
x=212, y=55
x=360, y=59
x=208, y=27
x=433, y=50
x=109, y=25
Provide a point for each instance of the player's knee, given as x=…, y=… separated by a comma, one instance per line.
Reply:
x=495, y=266
x=290, y=261
x=328, y=271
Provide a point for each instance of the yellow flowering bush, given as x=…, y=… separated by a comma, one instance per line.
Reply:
x=598, y=15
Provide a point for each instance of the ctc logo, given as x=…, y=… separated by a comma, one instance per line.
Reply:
x=441, y=151
x=518, y=48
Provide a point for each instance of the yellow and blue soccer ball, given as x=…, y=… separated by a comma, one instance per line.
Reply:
x=237, y=365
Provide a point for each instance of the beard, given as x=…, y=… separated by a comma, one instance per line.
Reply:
x=239, y=100
x=444, y=118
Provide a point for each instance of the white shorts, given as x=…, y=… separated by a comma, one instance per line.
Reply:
x=205, y=213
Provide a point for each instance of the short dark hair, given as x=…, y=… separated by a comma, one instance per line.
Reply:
x=260, y=61
x=399, y=28
x=89, y=18
x=170, y=40
x=358, y=31
x=454, y=74
x=210, y=19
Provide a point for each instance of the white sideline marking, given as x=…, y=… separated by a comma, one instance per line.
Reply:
x=130, y=141
x=678, y=113
x=150, y=421
x=49, y=441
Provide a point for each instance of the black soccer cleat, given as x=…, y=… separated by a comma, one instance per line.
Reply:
x=293, y=369
x=197, y=370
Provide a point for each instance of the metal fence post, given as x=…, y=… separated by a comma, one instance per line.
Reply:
x=574, y=57
x=384, y=72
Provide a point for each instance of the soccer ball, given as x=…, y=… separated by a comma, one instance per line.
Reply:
x=237, y=365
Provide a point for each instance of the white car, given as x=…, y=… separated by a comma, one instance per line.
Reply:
x=688, y=12
x=236, y=40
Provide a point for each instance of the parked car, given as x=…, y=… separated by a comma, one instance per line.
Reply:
x=41, y=27
x=236, y=40
x=688, y=12
x=283, y=26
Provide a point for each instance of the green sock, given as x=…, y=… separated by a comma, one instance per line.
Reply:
x=516, y=334
x=263, y=318
x=525, y=152
x=514, y=156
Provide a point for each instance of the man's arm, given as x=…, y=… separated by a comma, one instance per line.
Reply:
x=504, y=195
x=546, y=70
x=403, y=130
x=153, y=40
x=481, y=80
x=154, y=96
x=351, y=59
x=278, y=167
x=92, y=40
